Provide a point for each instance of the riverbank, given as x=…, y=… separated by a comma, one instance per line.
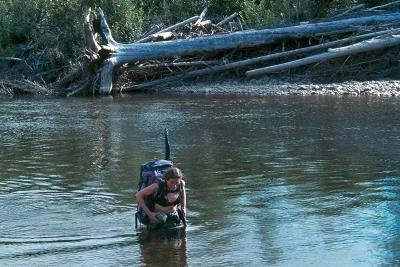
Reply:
x=267, y=85
x=275, y=86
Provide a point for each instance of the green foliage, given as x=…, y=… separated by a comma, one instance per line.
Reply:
x=14, y=29
x=224, y=7
x=171, y=11
x=372, y=3
x=266, y=12
x=255, y=14
x=125, y=18
x=323, y=8
x=51, y=31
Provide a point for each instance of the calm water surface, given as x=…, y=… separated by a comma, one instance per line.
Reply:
x=271, y=181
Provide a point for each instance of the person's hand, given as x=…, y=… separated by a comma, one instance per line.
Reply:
x=183, y=212
x=152, y=217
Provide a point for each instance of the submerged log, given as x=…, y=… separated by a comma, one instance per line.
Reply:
x=115, y=54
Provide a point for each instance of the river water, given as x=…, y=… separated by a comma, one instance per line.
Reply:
x=271, y=181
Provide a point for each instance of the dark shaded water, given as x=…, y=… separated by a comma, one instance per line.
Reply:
x=272, y=181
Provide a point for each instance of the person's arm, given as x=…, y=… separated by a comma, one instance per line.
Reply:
x=183, y=200
x=150, y=190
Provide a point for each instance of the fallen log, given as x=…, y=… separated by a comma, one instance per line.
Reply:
x=357, y=7
x=161, y=36
x=202, y=15
x=10, y=58
x=168, y=65
x=361, y=47
x=115, y=54
x=228, y=19
x=148, y=38
x=239, y=23
x=385, y=5
x=153, y=29
x=256, y=60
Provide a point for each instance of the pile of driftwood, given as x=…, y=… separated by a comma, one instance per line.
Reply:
x=198, y=46
x=13, y=86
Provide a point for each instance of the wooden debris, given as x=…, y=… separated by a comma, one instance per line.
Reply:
x=161, y=36
x=183, y=23
x=197, y=46
x=257, y=60
x=90, y=36
x=332, y=53
x=10, y=58
x=228, y=19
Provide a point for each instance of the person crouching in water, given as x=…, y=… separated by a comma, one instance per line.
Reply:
x=165, y=211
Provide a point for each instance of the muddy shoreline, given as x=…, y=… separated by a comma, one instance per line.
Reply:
x=273, y=86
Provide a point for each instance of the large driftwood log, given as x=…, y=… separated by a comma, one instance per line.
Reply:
x=361, y=47
x=116, y=54
x=256, y=60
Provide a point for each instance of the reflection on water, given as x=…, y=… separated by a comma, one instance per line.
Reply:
x=171, y=243
x=271, y=181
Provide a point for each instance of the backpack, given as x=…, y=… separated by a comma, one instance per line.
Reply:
x=151, y=172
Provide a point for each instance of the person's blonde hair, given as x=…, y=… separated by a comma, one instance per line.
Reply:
x=172, y=173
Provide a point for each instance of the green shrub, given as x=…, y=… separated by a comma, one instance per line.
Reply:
x=256, y=15
x=53, y=29
x=125, y=18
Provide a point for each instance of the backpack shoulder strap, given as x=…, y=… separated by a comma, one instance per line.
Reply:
x=160, y=190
